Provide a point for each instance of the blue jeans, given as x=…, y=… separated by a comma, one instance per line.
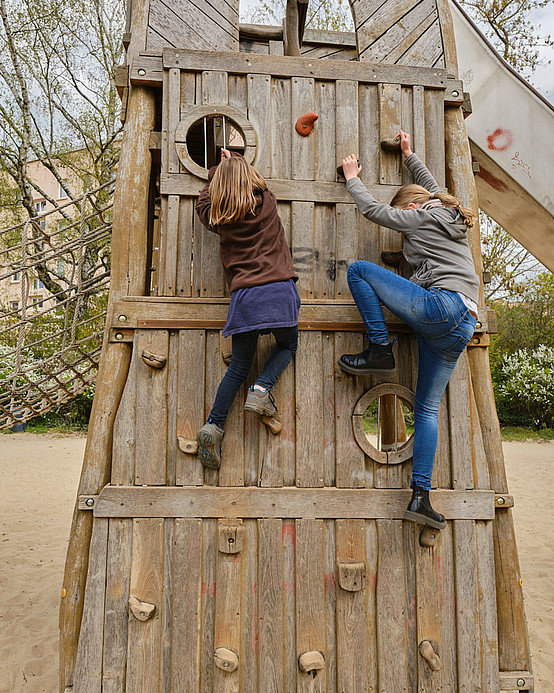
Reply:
x=443, y=326
x=242, y=355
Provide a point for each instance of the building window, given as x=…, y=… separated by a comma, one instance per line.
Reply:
x=60, y=268
x=62, y=195
x=37, y=285
x=36, y=301
x=40, y=206
x=14, y=305
x=16, y=277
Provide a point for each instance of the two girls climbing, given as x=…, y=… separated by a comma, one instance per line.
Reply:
x=237, y=205
x=439, y=302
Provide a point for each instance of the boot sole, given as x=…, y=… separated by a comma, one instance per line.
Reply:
x=262, y=411
x=366, y=371
x=423, y=520
x=206, y=451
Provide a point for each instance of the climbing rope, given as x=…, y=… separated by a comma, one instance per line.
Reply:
x=50, y=344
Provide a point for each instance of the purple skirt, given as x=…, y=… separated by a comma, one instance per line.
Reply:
x=263, y=307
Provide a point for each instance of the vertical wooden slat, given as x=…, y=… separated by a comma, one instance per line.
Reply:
x=208, y=590
x=281, y=126
x=249, y=609
x=88, y=666
x=310, y=600
x=144, y=647
x=407, y=123
x=350, y=467
x=270, y=448
x=303, y=148
x=467, y=609
x=303, y=247
x=390, y=121
x=289, y=605
x=183, y=282
x=172, y=407
x=325, y=268
x=117, y=604
x=325, y=132
x=352, y=646
x=190, y=402
x=151, y=429
x=173, y=116
x=346, y=246
x=460, y=426
x=434, y=122
x=328, y=414
x=270, y=610
x=487, y=606
x=124, y=428
x=238, y=93
x=447, y=584
x=167, y=603
x=259, y=99
x=169, y=239
x=309, y=394
x=330, y=584
x=391, y=608
x=419, y=145
x=227, y=613
x=231, y=472
x=372, y=566
x=186, y=612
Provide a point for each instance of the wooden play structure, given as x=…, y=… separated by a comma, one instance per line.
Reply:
x=291, y=568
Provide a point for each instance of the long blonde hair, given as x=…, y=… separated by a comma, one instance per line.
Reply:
x=233, y=191
x=418, y=194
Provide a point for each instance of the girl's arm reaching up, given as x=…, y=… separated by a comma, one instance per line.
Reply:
x=422, y=175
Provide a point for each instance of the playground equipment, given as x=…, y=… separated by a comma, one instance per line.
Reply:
x=290, y=568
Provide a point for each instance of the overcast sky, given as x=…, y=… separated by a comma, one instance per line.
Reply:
x=542, y=79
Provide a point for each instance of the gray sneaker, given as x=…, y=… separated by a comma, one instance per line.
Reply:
x=260, y=402
x=209, y=445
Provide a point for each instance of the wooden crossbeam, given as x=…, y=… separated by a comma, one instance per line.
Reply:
x=291, y=502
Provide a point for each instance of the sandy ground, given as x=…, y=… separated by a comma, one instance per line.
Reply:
x=37, y=491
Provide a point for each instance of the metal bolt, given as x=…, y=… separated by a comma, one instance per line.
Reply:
x=455, y=93
x=476, y=340
x=479, y=324
x=142, y=72
x=119, y=335
x=501, y=501
x=520, y=682
x=89, y=502
x=225, y=664
x=122, y=318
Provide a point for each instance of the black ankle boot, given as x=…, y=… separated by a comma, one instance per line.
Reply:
x=420, y=510
x=377, y=359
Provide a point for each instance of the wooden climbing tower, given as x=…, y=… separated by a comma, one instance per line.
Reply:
x=290, y=569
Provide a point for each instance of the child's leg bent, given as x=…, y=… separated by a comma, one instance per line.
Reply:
x=243, y=351
x=287, y=343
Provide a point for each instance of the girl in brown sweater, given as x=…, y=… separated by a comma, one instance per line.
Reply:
x=237, y=205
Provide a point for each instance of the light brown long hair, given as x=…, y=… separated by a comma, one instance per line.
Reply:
x=233, y=191
x=418, y=194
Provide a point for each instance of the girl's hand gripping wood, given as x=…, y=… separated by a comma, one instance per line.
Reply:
x=351, y=167
x=405, y=146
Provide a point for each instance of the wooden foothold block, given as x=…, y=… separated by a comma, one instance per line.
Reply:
x=311, y=661
x=230, y=538
x=427, y=651
x=429, y=536
x=153, y=360
x=352, y=576
x=188, y=446
x=273, y=424
x=392, y=145
x=225, y=659
x=142, y=611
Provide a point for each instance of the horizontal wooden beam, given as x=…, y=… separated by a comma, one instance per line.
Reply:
x=286, y=190
x=290, y=502
x=516, y=680
x=148, y=68
x=160, y=312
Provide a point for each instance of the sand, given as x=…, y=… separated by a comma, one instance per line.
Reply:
x=38, y=485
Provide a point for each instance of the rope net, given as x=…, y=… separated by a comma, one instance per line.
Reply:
x=50, y=344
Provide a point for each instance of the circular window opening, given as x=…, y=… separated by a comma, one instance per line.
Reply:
x=204, y=130
x=207, y=136
x=383, y=423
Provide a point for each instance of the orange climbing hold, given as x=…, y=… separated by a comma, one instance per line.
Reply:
x=305, y=124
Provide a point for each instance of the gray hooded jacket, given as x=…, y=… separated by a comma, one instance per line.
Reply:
x=435, y=240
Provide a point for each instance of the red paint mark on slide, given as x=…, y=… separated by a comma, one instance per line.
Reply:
x=500, y=140
x=491, y=180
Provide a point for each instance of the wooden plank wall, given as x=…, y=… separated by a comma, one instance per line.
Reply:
x=280, y=595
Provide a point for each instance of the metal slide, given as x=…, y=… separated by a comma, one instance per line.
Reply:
x=511, y=132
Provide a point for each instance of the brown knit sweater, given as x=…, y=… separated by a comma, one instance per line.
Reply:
x=253, y=251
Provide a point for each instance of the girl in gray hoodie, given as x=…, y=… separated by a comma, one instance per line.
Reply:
x=439, y=302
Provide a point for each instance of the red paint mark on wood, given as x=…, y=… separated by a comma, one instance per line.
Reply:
x=208, y=588
x=500, y=140
x=492, y=180
x=289, y=586
x=329, y=582
x=289, y=530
